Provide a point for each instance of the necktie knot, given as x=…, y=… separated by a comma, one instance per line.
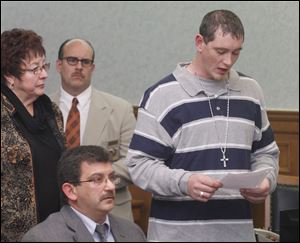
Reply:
x=75, y=101
x=101, y=230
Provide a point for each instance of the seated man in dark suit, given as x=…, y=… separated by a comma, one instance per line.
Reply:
x=87, y=183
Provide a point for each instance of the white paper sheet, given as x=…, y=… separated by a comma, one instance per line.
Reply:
x=245, y=179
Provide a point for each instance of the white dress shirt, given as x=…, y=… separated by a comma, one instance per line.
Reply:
x=91, y=226
x=84, y=100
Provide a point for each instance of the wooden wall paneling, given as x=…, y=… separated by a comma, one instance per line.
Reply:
x=285, y=125
x=141, y=203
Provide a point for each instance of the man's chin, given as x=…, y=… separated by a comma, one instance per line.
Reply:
x=109, y=208
x=221, y=74
x=108, y=202
x=220, y=77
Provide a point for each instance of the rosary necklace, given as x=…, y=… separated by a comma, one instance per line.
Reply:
x=223, y=149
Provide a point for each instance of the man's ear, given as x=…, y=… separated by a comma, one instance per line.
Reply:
x=199, y=42
x=58, y=65
x=70, y=191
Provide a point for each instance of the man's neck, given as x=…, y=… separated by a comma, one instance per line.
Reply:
x=97, y=218
x=194, y=69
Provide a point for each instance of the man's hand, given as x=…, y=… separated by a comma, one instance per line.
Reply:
x=202, y=187
x=257, y=195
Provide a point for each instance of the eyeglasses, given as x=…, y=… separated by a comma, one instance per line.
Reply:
x=38, y=69
x=101, y=180
x=73, y=61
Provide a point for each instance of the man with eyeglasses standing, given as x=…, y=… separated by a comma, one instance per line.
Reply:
x=105, y=120
x=87, y=184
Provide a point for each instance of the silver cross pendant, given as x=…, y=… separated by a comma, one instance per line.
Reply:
x=224, y=159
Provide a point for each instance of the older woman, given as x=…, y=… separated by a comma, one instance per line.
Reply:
x=32, y=137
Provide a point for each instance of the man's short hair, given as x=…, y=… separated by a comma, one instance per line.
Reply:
x=228, y=21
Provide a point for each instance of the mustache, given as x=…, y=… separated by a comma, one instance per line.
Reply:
x=108, y=195
x=77, y=74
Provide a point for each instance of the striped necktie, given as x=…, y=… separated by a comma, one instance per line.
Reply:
x=73, y=126
x=100, y=229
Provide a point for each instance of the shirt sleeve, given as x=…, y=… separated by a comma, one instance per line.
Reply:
x=150, y=151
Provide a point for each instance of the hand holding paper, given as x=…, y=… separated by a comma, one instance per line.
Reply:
x=244, y=179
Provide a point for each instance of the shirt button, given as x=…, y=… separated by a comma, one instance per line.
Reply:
x=218, y=108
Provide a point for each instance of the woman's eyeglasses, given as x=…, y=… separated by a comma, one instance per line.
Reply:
x=38, y=69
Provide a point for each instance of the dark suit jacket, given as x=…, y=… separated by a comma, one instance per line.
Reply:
x=66, y=226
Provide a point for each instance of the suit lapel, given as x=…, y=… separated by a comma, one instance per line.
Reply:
x=98, y=116
x=119, y=236
x=81, y=234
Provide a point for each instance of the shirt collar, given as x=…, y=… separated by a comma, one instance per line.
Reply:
x=83, y=98
x=190, y=82
x=89, y=223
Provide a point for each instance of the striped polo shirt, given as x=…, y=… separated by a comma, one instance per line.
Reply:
x=176, y=136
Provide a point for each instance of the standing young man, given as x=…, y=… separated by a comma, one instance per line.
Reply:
x=195, y=126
